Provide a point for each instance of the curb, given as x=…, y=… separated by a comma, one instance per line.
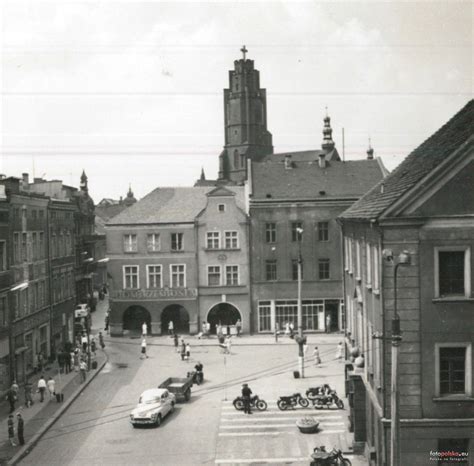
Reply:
x=26, y=449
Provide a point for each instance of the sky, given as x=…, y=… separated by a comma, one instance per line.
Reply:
x=132, y=92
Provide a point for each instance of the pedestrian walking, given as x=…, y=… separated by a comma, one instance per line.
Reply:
x=42, y=388
x=20, y=429
x=40, y=361
x=51, y=387
x=82, y=370
x=28, y=394
x=15, y=387
x=143, y=350
x=292, y=329
x=188, y=352
x=75, y=358
x=246, y=394
x=101, y=341
x=106, y=322
x=84, y=342
x=67, y=361
x=11, y=430
x=144, y=329
x=219, y=330
x=287, y=329
x=11, y=398
x=238, y=327
x=60, y=359
x=93, y=346
x=183, y=350
x=227, y=344
x=328, y=323
x=277, y=331
x=339, y=351
x=170, y=328
x=176, y=343
x=317, y=359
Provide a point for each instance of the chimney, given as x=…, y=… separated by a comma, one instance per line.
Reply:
x=322, y=160
x=288, y=162
x=370, y=152
x=26, y=178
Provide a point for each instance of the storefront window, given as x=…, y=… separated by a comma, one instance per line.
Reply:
x=264, y=316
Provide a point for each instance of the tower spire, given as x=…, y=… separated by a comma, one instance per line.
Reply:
x=370, y=151
x=83, y=184
x=203, y=175
x=328, y=144
x=244, y=52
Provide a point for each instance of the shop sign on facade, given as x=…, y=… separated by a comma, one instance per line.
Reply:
x=159, y=293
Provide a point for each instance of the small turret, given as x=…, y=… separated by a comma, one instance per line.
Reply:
x=328, y=144
x=203, y=175
x=130, y=199
x=370, y=152
x=83, y=184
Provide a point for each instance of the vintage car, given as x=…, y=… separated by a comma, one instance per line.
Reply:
x=154, y=404
x=82, y=310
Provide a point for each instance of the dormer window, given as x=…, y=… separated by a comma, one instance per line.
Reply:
x=221, y=207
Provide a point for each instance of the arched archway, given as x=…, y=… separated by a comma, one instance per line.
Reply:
x=223, y=313
x=133, y=318
x=180, y=317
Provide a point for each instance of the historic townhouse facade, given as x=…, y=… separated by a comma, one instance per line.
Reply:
x=161, y=259
x=295, y=199
x=223, y=262
x=424, y=209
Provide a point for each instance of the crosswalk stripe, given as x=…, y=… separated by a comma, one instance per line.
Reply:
x=246, y=434
x=268, y=460
x=262, y=426
x=233, y=420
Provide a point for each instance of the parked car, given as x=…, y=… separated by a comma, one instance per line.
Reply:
x=82, y=310
x=154, y=404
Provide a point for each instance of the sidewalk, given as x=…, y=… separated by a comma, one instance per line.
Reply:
x=40, y=417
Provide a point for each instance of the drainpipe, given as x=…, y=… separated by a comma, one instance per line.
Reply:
x=50, y=274
x=198, y=297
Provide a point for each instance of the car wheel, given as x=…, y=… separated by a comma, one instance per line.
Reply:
x=158, y=421
x=172, y=407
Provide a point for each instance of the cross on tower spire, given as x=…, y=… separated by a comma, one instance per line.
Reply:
x=244, y=51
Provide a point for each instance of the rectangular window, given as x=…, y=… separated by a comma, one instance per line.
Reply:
x=130, y=277
x=16, y=248
x=153, y=242
x=177, y=241
x=231, y=240
x=41, y=245
x=453, y=277
x=296, y=231
x=323, y=269
x=294, y=269
x=452, y=370
x=264, y=316
x=368, y=266
x=271, y=270
x=130, y=243
x=178, y=275
x=349, y=254
x=154, y=276
x=270, y=232
x=35, y=245
x=376, y=270
x=3, y=311
x=221, y=207
x=213, y=275
x=24, y=242
x=231, y=275
x=323, y=231
x=358, y=263
x=213, y=240
x=3, y=256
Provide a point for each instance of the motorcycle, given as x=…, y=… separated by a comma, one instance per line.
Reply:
x=197, y=376
x=292, y=401
x=255, y=402
x=313, y=392
x=328, y=400
x=321, y=457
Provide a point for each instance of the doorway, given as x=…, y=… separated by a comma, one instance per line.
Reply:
x=180, y=317
x=224, y=314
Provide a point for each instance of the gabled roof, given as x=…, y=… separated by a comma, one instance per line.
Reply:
x=307, y=180
x=220, y=191
x=416, y=166
x=171, y=205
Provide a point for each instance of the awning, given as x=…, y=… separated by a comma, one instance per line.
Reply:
x=4, y=348
x=20, y=350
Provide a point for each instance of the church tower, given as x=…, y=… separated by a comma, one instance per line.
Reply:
x=245, y=117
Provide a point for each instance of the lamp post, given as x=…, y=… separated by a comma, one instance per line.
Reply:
x=403, y=259
x=300, y=340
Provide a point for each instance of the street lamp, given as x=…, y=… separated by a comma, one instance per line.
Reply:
x=404, y=258
x=300, y=340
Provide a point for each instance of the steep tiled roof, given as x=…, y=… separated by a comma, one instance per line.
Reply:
x=416, y=166
x=106, y=212
x=171, y=205
x=306, y=179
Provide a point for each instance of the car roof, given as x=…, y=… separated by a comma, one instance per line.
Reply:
x=153, y=392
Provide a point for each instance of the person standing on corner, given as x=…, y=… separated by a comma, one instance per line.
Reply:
x=176, y=342
x=51, y=387
x=11, y=397
x=328, y=323
x=317, y=359
x=246, y=394
x=188, y=351
x=82, y=370
x=183, y=350
x=11, y=430
x=238, y=327
x=143, y=354
x=41, y=387
x=20, y=429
